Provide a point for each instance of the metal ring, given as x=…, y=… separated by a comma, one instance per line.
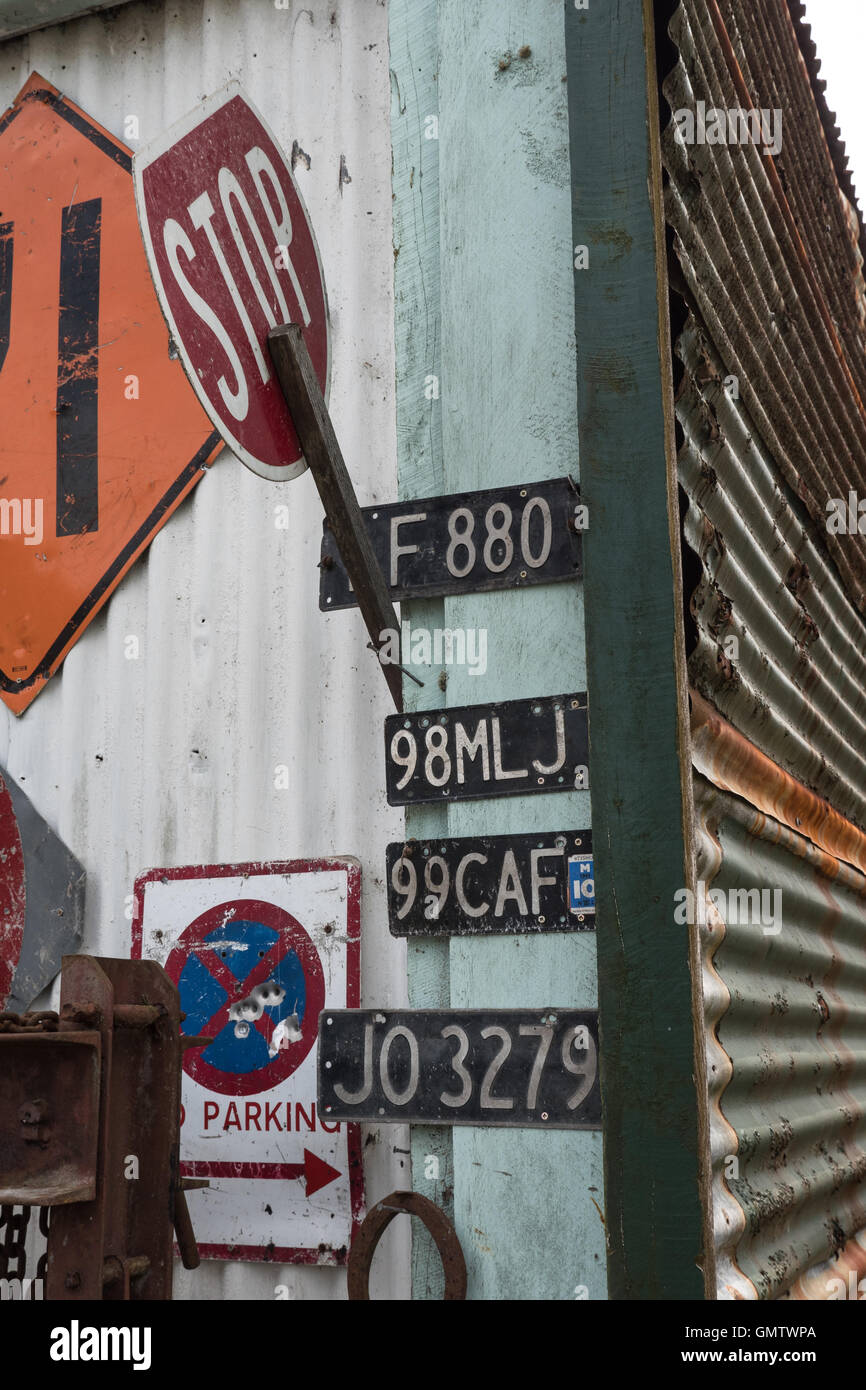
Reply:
x=375, y=1224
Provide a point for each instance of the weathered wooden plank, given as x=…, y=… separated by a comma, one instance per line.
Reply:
x=414, y=38
x=525, y=1202
x=325, y=461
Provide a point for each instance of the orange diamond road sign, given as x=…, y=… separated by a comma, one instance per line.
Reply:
x=101, y=435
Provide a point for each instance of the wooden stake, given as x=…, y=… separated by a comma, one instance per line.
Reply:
x=325, y=461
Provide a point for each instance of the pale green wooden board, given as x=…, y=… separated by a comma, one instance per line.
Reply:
x=484, y=291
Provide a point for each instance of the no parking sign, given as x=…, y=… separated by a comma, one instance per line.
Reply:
x=257, y=951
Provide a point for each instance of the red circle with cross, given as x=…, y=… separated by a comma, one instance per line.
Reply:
x=291, y=937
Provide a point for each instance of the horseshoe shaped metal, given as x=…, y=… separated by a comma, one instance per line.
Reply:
x=376, y=1222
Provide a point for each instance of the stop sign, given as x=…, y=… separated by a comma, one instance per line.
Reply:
x=232, y=255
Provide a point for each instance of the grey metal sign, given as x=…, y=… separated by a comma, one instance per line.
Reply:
x=491, y=884
x=41, y=899
x=527, y=1067
x=473, y=751
x=501, y=538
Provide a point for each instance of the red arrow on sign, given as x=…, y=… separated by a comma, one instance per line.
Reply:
x=317, y=1172
x=314, y=1170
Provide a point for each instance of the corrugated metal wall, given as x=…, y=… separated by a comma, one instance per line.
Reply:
x=170, y=759
x=768, y=301
x=23, y=16
x=784, y=989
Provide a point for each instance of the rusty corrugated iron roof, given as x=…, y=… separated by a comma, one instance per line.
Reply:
x=785, y=1023
x=769, y=307
x=778, y=647
x=832, y=132
x=765, y=255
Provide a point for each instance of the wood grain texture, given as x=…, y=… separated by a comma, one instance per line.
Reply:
x=413, y=35
x=650, y=1108
x=324, y=457
x=487, y=273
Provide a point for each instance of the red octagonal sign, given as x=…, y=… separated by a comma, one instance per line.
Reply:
x=232, y=254
x=12, y=893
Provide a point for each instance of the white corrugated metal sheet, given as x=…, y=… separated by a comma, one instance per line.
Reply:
x=23, y=16
x=170, y=759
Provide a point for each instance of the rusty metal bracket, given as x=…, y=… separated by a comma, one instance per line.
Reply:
x=376, y=1222
x=90, y=1127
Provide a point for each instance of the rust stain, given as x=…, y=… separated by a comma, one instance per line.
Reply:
x=734, y=764
x=837, y=1279
x=612, y=235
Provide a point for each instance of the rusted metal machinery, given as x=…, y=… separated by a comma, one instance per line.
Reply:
x=90, y=1127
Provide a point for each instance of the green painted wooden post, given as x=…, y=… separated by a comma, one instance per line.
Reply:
x=527, y=1204
x=639, y=771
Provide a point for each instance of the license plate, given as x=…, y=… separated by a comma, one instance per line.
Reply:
x=528, y=1067
x=474, y=751
x=491, y=884
x=502, y=538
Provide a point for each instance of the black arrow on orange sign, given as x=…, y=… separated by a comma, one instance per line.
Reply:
x=78, y=370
